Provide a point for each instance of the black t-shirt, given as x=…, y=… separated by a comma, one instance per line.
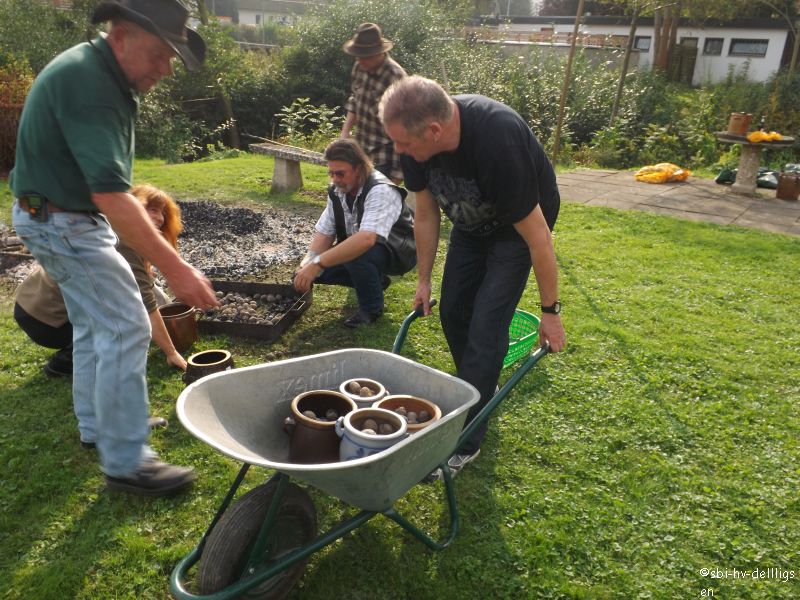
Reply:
x=496, y=176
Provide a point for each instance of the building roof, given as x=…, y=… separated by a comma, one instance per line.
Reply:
x=288, y=7
x=762, y=23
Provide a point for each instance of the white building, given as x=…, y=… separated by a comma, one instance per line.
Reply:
x=707, y=52
x=264, y=12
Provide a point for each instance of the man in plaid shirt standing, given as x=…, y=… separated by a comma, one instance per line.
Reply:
x=372, y=73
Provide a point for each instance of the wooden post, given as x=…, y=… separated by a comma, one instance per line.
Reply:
x=795, y=47
x=624, y=72
x=565, y=87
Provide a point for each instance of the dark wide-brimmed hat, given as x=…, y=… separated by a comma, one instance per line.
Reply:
x=367, y=41
x=163, y=18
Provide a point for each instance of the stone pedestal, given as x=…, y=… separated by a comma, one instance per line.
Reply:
x=286, y=177
x=748, y=170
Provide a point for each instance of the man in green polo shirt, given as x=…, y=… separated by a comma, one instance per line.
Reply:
x=72, y=177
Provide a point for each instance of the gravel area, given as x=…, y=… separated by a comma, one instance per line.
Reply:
x=232, y=243
x=237, y=243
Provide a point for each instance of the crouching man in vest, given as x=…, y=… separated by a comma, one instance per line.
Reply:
x=365, y=233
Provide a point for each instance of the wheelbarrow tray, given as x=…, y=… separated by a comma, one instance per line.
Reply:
x=241, y=412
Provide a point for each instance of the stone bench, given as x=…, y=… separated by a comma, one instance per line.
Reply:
x=286, y=176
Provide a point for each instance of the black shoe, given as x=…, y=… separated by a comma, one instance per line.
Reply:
x=60, y=364
x=361, y=318
x=386, y=281
x=153, y=478
x=152, y=422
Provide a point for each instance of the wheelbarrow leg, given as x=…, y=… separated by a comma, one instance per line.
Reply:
x=452, y=509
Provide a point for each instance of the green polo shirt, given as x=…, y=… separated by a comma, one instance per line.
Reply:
x=76, y=132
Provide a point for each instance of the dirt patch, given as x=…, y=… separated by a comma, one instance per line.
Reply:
x=227, y=242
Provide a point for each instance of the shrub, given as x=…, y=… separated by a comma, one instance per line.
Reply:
x=16, y=78
x=318, y=69
x=163, y=129
x=186, y=114
x=313, y=127
x=39, y=31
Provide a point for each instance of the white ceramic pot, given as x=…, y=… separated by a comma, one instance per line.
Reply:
x=377, y=389
x=357, y=444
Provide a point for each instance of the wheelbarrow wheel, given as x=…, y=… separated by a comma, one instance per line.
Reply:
x=228, y=546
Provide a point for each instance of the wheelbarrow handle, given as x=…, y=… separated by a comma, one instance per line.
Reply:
x=412, y=316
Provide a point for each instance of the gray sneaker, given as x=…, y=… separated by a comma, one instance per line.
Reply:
x=153, y=478
x=459, y=461
x=455, y=462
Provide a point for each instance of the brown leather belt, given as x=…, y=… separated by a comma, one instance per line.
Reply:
x=23, y=204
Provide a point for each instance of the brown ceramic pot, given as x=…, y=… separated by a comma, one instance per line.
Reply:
x=315, y=440
x=205, y=363
x=181, y=323
x=739, y=123
x=411, y=403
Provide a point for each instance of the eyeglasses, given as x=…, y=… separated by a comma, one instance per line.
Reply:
x=339, y=173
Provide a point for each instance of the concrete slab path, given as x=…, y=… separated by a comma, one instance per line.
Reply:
x=694, y=199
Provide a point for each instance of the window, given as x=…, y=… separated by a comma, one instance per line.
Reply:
x=741, y=47
x=258, y=19
x=689, y=42
x=713, y=46
x=642, y=43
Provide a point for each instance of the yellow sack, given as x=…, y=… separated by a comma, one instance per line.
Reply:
x=662, y=173
x=756, y=137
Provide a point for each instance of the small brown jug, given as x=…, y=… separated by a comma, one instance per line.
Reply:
x=739, y=123
x=181, y=322
x=314, y=440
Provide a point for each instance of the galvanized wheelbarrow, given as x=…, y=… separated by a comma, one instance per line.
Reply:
x=259, y=546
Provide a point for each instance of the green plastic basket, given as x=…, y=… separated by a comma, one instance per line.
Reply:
x=522, y=335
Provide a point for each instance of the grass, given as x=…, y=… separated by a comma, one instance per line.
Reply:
x=663, y=442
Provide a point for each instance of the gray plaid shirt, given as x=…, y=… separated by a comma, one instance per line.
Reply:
x=367, y=89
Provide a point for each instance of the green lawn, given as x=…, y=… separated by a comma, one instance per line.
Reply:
x=663, y=442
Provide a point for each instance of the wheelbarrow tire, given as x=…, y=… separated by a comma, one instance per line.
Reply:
x=228, y=546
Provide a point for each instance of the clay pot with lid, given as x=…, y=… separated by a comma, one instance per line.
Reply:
x=314, y=440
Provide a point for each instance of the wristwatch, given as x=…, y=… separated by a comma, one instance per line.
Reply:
x=553, y=309
x=317, y=260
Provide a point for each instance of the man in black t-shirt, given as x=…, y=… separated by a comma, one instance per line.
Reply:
x=479, y=162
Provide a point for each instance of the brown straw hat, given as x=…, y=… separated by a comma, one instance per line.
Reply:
x=367, y=41
x=163, y=18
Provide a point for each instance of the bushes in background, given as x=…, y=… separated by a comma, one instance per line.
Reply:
x=191, y=112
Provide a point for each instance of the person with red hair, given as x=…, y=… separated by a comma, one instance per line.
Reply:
x=39, y=307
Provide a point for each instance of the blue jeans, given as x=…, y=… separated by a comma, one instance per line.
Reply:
x=111, y=331
x=364, y=274
x=483, y=281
